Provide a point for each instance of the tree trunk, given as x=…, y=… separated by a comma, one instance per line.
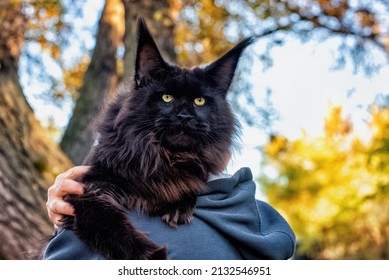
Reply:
x=29, y=160
x=101, y=78
x=100, y=82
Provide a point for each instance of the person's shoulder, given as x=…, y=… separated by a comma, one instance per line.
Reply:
x=230, y=205
x=277, y=231
x=65, y=245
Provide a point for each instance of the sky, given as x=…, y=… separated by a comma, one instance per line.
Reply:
x=303, y=88
x=302, y=83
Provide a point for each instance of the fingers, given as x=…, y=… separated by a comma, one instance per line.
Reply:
x=76, y=171
x=56, y=210
x=67, y=186
x=72, y=173
x=64, y=184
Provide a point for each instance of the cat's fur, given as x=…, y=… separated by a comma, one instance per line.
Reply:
x=154, y=156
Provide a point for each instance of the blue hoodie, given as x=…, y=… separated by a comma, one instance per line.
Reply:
x=228, y=224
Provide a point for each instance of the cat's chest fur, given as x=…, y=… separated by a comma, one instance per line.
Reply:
x=157, y=145
x=152, y=177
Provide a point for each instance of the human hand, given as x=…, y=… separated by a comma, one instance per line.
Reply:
x=64, y=184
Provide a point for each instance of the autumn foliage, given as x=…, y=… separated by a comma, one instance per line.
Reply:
x=334, y=189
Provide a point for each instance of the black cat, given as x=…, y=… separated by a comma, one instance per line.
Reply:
x=157, y=145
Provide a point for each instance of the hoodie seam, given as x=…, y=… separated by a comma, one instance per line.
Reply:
x=254, y=201
x=292, y=243
x=259, y=217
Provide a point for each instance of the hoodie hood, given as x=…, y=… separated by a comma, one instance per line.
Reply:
x=256, y=229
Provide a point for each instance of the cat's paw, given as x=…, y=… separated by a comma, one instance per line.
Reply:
x=178, y=216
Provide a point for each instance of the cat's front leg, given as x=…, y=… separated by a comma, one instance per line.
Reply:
x=101, y=222
x=180, y=212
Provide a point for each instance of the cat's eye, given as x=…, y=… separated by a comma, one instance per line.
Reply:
x=167, y=98
x=199, y=101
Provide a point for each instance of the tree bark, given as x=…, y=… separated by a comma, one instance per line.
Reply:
x=100, y=82
x=29, y=160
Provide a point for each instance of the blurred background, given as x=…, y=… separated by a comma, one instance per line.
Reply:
x=312, y=95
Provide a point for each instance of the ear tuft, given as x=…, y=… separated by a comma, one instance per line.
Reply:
x=148, y=58
x=221, y=71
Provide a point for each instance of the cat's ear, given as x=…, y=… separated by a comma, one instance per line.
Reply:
x=221, y=71
x=148, y=58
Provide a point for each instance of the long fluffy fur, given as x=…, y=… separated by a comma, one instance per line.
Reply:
x=137, y=164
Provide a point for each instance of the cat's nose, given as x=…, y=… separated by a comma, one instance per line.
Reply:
x=184, y=117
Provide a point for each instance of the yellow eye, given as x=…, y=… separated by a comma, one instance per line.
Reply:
x=167, y=98
x=199, y=101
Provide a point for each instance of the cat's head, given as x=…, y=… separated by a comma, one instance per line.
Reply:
x=184, y=109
